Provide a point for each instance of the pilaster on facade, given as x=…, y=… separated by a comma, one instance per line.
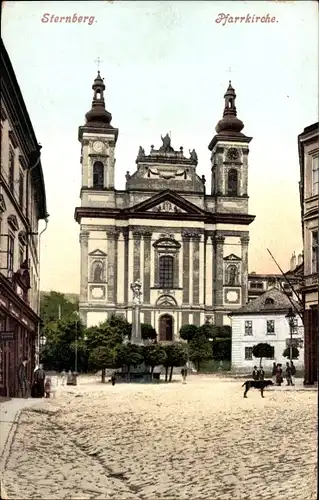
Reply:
x=218, y=243
x=244, y=242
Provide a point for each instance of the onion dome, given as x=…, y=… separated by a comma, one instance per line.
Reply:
x=98, y=116
x=229, y=124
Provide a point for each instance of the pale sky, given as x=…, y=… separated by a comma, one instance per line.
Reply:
x=166, y=68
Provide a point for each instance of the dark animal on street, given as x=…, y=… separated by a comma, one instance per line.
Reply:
x=256, y=384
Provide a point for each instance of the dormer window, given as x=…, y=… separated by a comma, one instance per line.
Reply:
x=269, y=302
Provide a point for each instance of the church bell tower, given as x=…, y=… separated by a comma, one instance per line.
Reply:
x=98, y=138
x=229, y=158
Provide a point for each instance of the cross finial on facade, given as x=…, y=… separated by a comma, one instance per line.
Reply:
x=98, y=61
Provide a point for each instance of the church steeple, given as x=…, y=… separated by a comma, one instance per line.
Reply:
x=229, y=124
x=98, y=116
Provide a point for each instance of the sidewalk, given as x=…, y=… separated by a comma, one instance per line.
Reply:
x=9, y=415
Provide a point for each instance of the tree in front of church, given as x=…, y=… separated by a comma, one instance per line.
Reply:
x=200, y=349
x=108, y=335
x=148, y=332
x=263, y=350
x=55, y=306
x=154, y=355
x=101, y=358
x=188, y=332
x=294, y=352
x=61, y=327
x=128, y=355
x=176, y=355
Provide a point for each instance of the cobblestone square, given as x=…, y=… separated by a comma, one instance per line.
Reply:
x=197, y=441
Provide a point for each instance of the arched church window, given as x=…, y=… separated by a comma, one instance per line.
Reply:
x=166, y=271
x=98, y=175
x=98, y=94
x=97, y=272
x=232, y=183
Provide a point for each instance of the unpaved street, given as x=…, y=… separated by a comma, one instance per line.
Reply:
x=197, y=441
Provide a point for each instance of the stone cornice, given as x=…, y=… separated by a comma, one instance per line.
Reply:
x=209, y=218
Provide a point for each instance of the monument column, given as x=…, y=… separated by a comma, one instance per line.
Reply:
x=136, y=337
x=244, y=276
x=84, y=245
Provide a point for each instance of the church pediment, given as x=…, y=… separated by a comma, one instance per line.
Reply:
x=167, y=202
x=97, y=253
x=232, y=257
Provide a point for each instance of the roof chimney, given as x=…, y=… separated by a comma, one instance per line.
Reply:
x=300, y=259
x=293, y=262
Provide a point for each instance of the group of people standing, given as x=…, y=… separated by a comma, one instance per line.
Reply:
x=41, y=386
x=278, y=375
x=258, y=373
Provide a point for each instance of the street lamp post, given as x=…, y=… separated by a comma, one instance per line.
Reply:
x=290, y=317
x=42, y=342
x=76, y=348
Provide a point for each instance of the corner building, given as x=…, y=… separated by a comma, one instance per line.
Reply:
x=189, y=248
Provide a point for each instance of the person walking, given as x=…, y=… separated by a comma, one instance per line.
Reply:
x=63, y=377
x=47, y=387
x=39, y=378
x=288, y=374
x=113, y=379
x=279, y=379
x=293, y=373
x=255, y=373
x=273, y=373
x=261, y=374
x=184, y=374
x=22, y=378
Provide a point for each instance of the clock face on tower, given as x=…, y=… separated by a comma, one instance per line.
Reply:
x=233, y=154
x=98, y=146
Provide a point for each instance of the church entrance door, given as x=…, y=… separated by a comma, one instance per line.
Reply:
x=166, y=328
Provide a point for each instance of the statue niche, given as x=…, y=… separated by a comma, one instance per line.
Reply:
x=97, y=271
x=232, y=275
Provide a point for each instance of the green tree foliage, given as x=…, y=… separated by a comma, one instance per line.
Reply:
x=188, y=332
x=55, y=306
x=222, y=349
x=200, y=349
x=263, y=350
x=101, y=358
x=213, y=331
x=154, y=355
x=176, y=355
x=295, y=352
x=128, y=355
x=148, y=332
x=62, y=337
x=120, y=326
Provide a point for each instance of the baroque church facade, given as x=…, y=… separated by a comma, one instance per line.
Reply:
x=189, y=248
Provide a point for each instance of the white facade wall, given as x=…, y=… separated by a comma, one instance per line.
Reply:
x=259, y=335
